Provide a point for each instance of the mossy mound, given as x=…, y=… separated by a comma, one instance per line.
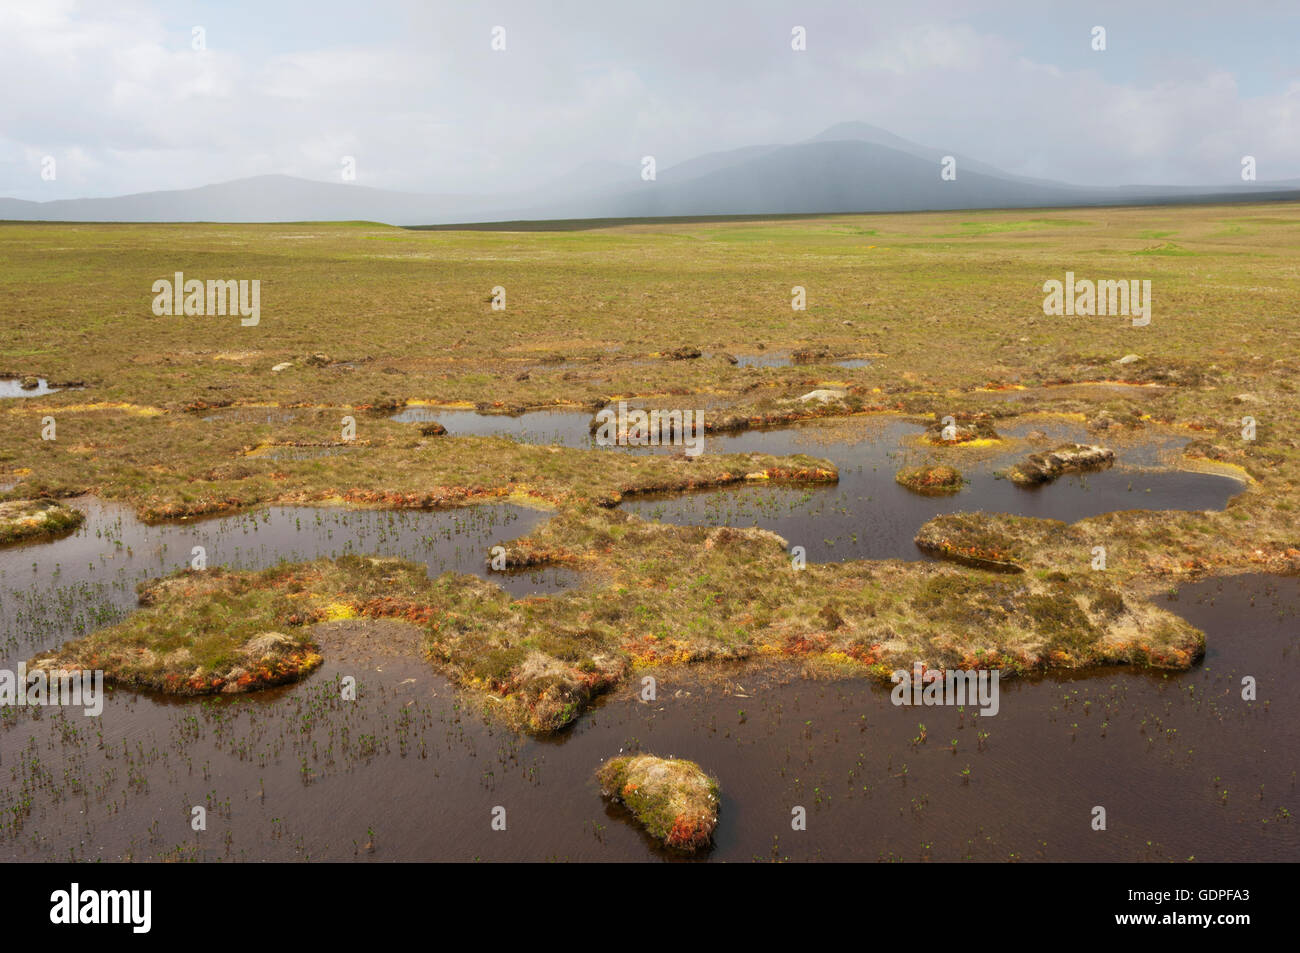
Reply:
x=36, y=519
x=930, y=479
x=198, y=634
x=206, y=632
x=1039, y=468
x=673, y=799
x=654, y=595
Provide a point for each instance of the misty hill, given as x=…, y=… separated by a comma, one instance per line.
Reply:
x=851, y=167
x=263, y=198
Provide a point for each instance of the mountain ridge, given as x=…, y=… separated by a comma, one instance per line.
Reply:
x=849, y=167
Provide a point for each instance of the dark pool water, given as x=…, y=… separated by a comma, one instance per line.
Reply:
x=563, y=428
x=867, y=515
x=1183, y=766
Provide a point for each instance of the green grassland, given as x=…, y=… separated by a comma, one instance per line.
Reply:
x=948, y=307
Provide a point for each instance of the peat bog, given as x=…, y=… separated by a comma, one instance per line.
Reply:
x=302, y=457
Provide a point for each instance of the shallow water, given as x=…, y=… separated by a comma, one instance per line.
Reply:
x=12, y=387
x=297, y=774
x=770, y=359
x=784, y=359
x=565, y=428
x=867, y=515
x=54, y=591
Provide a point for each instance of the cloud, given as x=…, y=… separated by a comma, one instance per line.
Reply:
x=415, y=93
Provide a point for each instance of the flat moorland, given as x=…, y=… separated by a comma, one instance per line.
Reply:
x=927, y=315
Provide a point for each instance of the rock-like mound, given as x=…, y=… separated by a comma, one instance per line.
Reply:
x=1039, y=468
x=685, y=352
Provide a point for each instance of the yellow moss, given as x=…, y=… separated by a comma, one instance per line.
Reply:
x=1219, y=467
x=136, y=410
x=972, y=444
x=522, y=494
x=1053, y=415
x=339, y=610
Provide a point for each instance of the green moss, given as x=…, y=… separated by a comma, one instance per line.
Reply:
x=1059, y=618
x=1108, y=603
x=496, y=665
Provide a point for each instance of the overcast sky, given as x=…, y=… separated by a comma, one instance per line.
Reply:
x=117, y=94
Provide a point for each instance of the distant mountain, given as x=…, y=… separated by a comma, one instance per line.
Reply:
x=862, y=132
x=851, y=167
x=820, y=176
x=262, y=198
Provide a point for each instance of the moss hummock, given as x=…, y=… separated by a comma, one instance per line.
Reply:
x=200, y=633
x=672, y=798
x=36, y=519
x=930, y=479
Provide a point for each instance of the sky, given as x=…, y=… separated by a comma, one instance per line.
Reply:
x=119, y=97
